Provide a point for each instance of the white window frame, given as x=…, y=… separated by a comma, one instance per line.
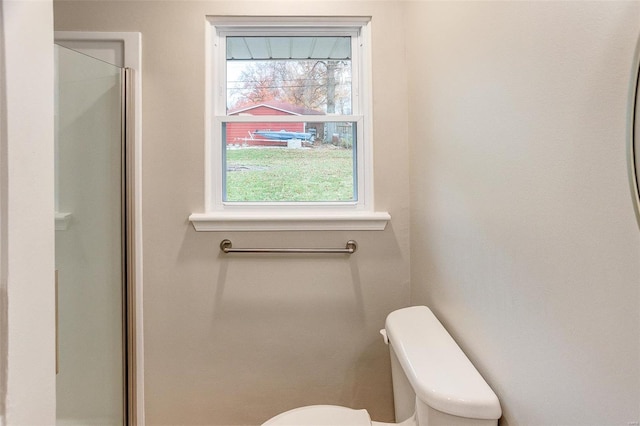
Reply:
x=265, y=216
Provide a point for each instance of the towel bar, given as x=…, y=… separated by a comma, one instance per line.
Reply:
x=226, y=247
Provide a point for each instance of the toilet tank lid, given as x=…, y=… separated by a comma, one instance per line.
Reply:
x=441, y=374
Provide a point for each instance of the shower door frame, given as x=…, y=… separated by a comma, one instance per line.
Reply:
x=124, y=48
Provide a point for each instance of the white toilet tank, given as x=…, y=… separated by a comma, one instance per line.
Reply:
x=432, y=376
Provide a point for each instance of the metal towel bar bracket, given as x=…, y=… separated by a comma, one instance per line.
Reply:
x=227, y=247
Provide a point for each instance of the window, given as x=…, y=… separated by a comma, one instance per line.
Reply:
x=289, y=142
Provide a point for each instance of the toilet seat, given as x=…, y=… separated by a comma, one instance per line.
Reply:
x=321, y=415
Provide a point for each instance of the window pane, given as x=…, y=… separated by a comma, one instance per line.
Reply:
x=321, y=86
x=296, y=162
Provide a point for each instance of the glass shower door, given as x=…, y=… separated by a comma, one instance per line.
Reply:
x=89, y=241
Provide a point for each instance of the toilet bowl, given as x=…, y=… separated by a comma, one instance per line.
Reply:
x=434, y=383
x=329, y=415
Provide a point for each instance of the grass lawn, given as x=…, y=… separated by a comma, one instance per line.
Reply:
x=281, y=174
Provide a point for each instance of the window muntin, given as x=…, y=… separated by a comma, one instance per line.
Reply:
x=355, y=111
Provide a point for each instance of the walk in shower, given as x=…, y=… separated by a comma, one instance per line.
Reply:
x=91, y=241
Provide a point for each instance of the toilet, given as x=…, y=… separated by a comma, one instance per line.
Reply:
x=434, y=383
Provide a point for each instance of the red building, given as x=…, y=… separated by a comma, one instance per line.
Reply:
x=244, y=133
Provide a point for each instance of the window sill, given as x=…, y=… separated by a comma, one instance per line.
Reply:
x=352, y=221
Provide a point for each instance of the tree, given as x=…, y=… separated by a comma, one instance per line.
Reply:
x=312, y=84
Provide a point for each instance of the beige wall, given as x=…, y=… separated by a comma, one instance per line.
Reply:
x=235, y=340
x=523, y=238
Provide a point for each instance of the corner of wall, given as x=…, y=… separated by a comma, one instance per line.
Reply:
x=27, y=332
x=3, y=227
